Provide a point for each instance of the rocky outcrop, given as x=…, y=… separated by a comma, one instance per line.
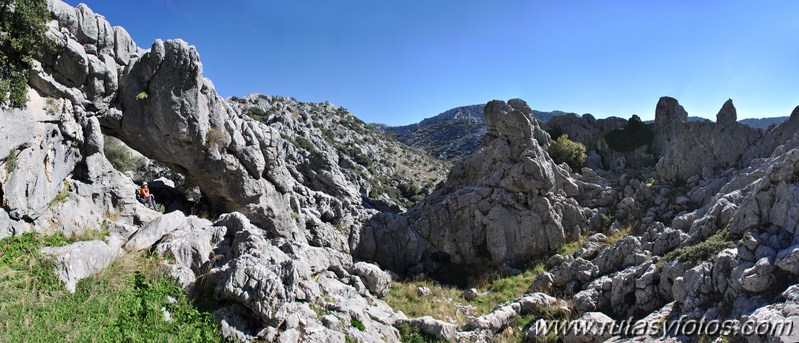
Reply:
x=81, y=259
x=287, y=285
x=274, y=282
x=670, y=119
x=591, y=133
x=505, y=203
x=783, y=135
x=703, y=148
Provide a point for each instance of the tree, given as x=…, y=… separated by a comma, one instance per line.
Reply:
x=633, y=136
x=22, y=28
x=565, y=150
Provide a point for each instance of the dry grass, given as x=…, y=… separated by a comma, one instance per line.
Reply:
x=445, y=302
x=624, y=232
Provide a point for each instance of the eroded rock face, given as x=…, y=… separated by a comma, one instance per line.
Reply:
x=703, y=148
x=505, y=203
x=670, y=117
x=591, y=132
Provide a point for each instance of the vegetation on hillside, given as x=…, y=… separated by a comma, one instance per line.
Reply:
x=633, y=136
x=22, y=27
x=123, y=303
x=565, y=150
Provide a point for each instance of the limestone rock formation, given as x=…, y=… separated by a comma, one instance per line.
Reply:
x=704, y=148
x=80, y=260
x=591, y=132
x=505, y=203
x=670, y=117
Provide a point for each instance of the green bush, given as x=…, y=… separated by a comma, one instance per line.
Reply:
x=633, y=136
x=305, y=144
x=21, y=37
x=565, y=150
x=357, y=324
x=412, y=334
x=120, y=155
x=256, y=113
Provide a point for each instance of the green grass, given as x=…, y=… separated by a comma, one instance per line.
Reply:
x=358, y=324
x=120, y=304
x=624, y=232
x=573, y=246
x=11, y=161
x=62, y=196
x=412, y=334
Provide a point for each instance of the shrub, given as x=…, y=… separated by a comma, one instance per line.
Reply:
x=52, y=106
x=142, y=96
x=256, y=113
x=633, y=136
x=11, y=161
x=21, y=37
x=412, y=334
x=357, y=324
x=305, y=144
x=565, y=150
x=120, y=155
x=706, y=250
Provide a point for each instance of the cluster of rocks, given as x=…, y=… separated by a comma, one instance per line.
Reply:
x=326, y=138
x=484, y=212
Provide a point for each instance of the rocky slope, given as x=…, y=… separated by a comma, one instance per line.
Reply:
x=385, y=171
x=311, y=197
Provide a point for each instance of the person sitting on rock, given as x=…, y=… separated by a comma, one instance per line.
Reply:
x=145, y=197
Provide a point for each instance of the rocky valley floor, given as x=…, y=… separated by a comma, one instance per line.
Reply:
x=308, y=225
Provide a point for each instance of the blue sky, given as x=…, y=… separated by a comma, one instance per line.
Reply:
x=397, y=62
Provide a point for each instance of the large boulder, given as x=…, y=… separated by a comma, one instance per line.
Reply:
x=80, y=260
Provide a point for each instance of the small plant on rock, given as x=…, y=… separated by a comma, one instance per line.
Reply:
x=215, y=138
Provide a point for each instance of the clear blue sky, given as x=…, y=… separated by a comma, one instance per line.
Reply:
x=397, y=62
